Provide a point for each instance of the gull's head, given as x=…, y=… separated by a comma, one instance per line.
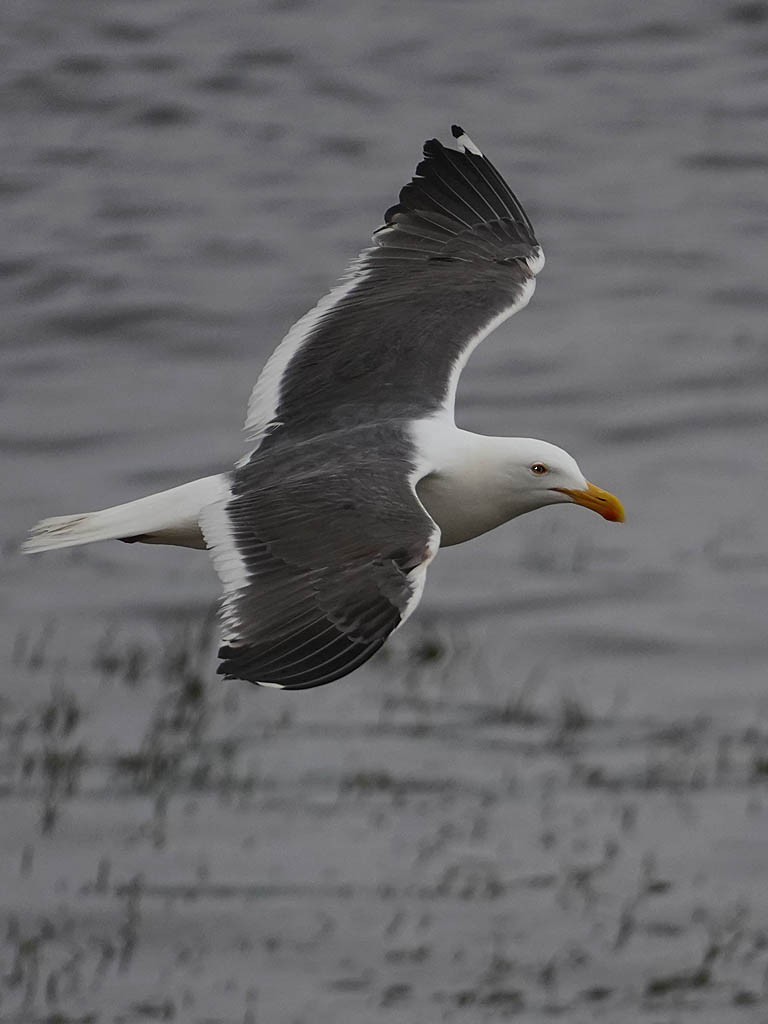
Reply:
x=544, y=474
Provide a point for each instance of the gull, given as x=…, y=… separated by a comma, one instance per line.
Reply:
x=357, y=473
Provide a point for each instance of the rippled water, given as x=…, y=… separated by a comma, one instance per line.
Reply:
x=179, y=182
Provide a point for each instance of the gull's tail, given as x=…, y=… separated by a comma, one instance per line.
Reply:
x=171, y=517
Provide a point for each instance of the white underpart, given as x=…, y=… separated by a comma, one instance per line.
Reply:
x=471, y=344
x=170, y=517
x=265, y=397
x=227, y=560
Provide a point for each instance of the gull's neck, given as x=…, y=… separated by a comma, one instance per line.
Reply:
x=464, y=483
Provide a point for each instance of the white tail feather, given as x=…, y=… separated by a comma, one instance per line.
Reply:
x=171, y=517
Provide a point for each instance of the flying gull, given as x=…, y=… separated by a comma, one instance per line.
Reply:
x=358, y=474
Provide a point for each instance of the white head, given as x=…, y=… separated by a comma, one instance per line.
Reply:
x=538, y=473
x=480, y=482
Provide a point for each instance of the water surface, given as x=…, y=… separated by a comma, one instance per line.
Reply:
x=548, y=798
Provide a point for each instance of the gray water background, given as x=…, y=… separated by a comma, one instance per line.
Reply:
x=574, y=701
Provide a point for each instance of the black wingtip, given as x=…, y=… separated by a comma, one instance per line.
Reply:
x=456, y=131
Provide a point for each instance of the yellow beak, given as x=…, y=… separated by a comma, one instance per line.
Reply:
x=603, y=502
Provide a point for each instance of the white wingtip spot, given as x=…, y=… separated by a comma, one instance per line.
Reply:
x=272, y=686
x=467, y=145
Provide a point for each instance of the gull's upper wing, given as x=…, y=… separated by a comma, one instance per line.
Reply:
x=456, y=256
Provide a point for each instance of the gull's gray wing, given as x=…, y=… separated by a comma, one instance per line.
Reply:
x=456, y=256
x=322, y=547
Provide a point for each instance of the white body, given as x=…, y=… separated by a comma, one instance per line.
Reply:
x=467, y=482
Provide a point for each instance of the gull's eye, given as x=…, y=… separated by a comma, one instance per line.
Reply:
x=539, y=469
